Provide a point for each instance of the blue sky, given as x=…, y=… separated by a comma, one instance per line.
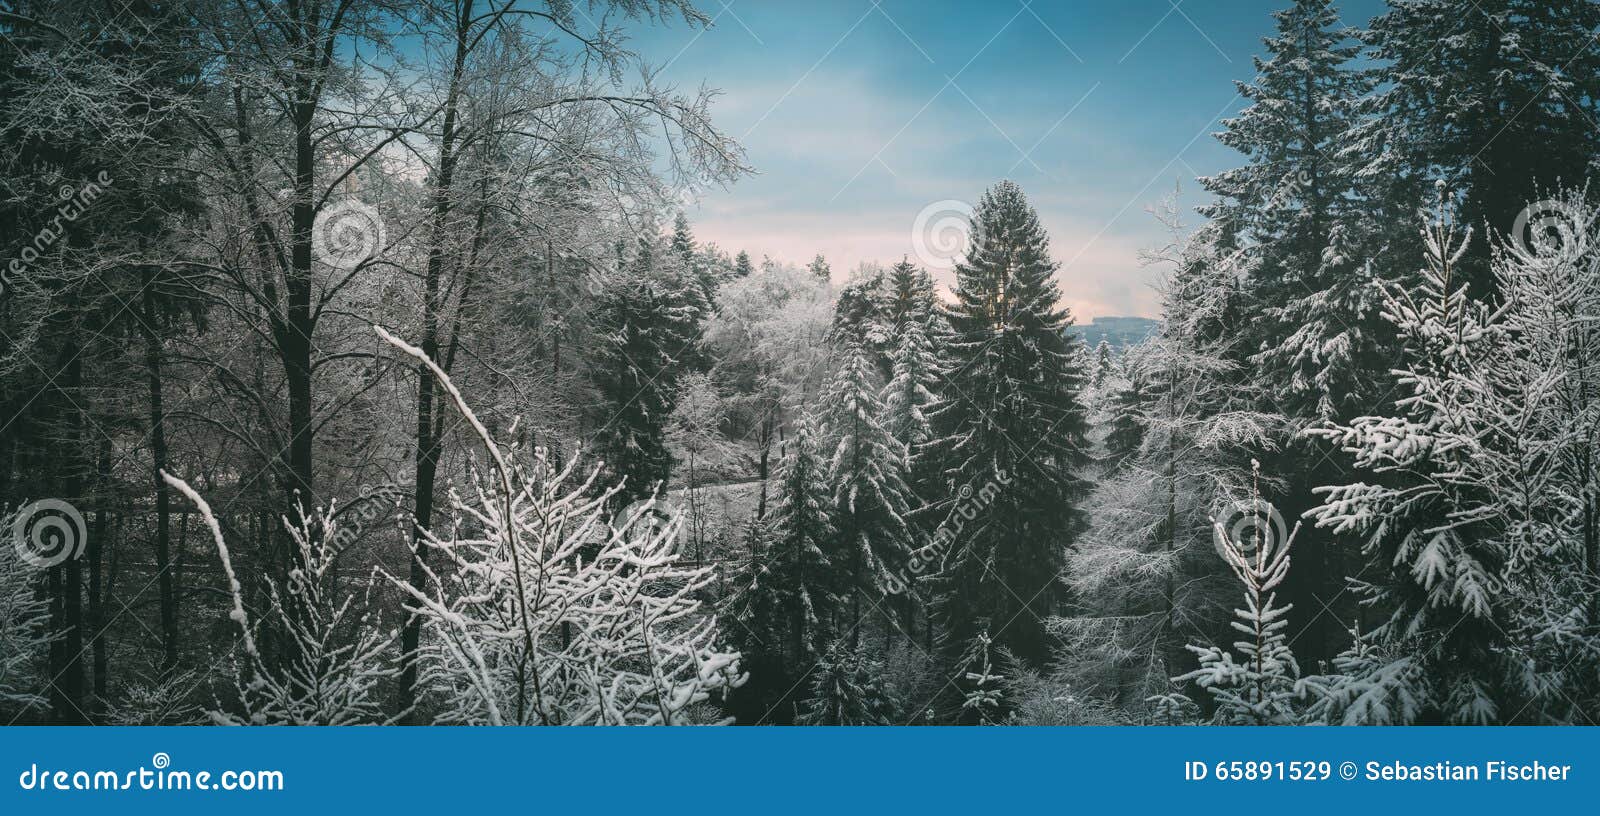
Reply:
x=857, y=116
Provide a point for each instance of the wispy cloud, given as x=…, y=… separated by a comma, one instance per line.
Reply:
x=857, y=119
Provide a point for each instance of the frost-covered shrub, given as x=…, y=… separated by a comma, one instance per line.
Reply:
x=545, y=609
x=24, y=629
x=164, y=699
x=1040, y=699
x=331, y=654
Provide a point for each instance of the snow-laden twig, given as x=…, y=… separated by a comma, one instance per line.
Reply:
x=333, y=658
x=547, y=609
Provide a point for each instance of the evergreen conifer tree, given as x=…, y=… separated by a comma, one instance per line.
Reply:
x=819, y=268
x=1310, y=249
x=789, y=596
x=1010, y=411
x=847, y=689
x=869, y=494
x=1497, y=98
x=649, y=315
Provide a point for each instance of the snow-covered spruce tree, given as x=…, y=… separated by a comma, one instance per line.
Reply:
x=1124, y=397
x=1009, y=409
x=1311, y=249
x=648, y=320
x=332, y=654
x=1113, y=401
x=1104, y=362
x=788, y=599
x=1260, y=687
x=908, y=400
x=1496, y=97
x=1481, y=517
x=910, y=297
x=1293, y=204
x=1551, y=285
x=1437, y=594
x=689, y=296
x=869, y=495
x=847, y=689
x=819, y=268
x=694, y=263
x=551, y=611
x=859, y=315
x=1144, y=578
x=909, y=397
x=1373, y=683
x=25, y=635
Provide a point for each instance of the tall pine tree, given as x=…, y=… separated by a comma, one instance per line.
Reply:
x=1309, y=244
x=1292, y=204
x=908, y=397
x=911, y=296
x=1010, y=414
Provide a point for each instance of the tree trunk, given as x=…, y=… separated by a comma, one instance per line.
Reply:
x=761, y=472
x=294, y=345
x=67, y=697
x=1174, y=653
x=158, y=454
x=95, y=551
x=178, y=561
x=429, y=436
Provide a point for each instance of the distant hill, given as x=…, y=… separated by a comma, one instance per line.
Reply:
x=1119, y=332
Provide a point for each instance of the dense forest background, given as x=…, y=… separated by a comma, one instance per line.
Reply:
x=358, y=364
